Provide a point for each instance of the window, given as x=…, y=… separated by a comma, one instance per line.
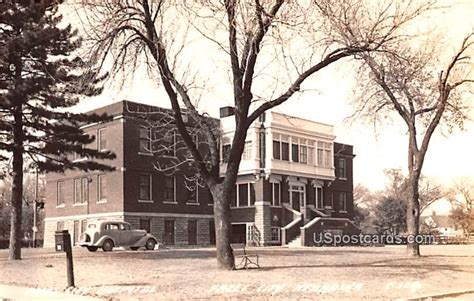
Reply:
x=144, y=187
x=247, y=153
x=276, y=150
x=285, y=151
x=311, y=152
x=81, y=191
x=276, y=194
x=275, y=231
x=281, y=147
x=319, y=198
x=342, y=202
x=303, y=154
x=324, y=153
x=294, y=152
x=341, y=168
x=225, y=152
x=60, y=226
x=144, y=137
x=244, y=195
x=101, y=188
x=169, y=144
x=102, y=139
x=193, y=189
x=169, y=189
x=60, y=193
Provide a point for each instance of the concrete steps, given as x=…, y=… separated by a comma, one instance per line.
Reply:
x=295, y=243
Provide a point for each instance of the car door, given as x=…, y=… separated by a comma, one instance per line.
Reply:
x=113, y=230
x=125, y=234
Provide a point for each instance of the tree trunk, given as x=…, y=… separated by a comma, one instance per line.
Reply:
x=17, y=189
x=225, y=256
x=413, y=217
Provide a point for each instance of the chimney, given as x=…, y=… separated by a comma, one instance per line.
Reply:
x=226, y=111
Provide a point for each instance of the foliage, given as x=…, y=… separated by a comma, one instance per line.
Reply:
x=390, y=216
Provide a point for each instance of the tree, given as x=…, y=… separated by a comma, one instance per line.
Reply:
x=28, y=205
x=462, y=213
x=364, y=202
x=40, y=78
x=421, y=87
x=390, y=216
x=265, y=67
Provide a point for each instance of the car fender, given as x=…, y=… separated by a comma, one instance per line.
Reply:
x=101, y=240
x=142, y=241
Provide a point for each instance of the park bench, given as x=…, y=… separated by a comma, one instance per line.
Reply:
x=245, y=260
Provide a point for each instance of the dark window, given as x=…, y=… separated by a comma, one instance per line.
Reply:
x=234, y=198
x=341, y=168
x=319, y=198
x=285, y=151
x=342, y=201
x=169, y=144
x=276, y=194
x=243, y=195
x=276, y=150
x=145, y=187
x=294, y=153
x=225, y=152
x=252, y=194
x=275, y=234
x=144, y=140
x=168, y=235
x=169, y=189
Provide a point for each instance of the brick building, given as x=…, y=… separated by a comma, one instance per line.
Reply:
x=287, y=189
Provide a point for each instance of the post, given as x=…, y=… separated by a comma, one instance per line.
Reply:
x=35, y=229
x=63, y=244
x=70, y=267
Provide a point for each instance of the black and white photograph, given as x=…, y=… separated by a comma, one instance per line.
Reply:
x=236, y=150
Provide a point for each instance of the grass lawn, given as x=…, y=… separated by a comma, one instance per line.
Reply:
x=342, y=273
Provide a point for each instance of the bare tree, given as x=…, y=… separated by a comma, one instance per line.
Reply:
x=273, y=48
x=416, y=83
x=462, y=199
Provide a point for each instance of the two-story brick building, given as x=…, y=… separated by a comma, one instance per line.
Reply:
x=294, y=180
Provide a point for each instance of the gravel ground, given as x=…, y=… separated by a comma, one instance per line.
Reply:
x=342, y=273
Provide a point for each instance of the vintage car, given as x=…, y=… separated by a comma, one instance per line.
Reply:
x=110, y=234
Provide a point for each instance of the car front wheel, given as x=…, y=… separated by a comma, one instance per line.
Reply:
x=91, y=248
x=108, y=245
x=150, y=244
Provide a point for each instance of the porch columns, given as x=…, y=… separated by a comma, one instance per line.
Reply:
x=262, y=214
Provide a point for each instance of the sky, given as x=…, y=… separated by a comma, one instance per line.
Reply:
x=449, y=156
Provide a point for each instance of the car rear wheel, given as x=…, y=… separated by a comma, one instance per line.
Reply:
x=91, y=248
x=108, y=245
x=134, y=248
x=150, y=244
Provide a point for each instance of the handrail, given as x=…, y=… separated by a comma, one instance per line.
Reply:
x=322, y=214
x=292, y=230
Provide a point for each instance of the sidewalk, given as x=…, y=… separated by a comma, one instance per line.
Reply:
x=12, y=292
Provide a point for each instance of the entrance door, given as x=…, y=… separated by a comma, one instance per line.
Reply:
x=297, y=198
x=212, y=233
x=168, y=236
x=192, y=233
x=145, y=224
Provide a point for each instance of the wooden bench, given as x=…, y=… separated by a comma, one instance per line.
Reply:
x=245, y=260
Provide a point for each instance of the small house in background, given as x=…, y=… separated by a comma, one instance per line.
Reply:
x=441, y=226
x=294, y=181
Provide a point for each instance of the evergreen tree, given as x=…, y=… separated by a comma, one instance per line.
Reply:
x=40, y=78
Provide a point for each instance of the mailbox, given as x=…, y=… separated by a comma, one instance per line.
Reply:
x=62, y=241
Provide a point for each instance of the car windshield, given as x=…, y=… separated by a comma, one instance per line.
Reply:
x=124, y=227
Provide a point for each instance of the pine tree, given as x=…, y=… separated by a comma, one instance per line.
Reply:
x=40, y=78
